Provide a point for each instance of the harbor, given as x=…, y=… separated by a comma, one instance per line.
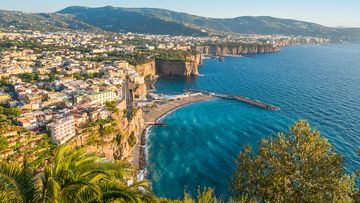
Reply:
x=153, y=117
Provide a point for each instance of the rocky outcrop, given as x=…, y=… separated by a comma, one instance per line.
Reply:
x=134, y=127
x=224, y=50
x=186, y=67
x=146, y=69
x=112, y=144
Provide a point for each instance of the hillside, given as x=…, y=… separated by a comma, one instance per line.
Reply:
x=161, y=21
x=41, y=21
x=126, y=20
x=253, y=25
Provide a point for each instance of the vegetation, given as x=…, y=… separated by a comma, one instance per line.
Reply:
x=8, y=115
x=84, y=76
x=132, y=139
x=203, y=196
x=136, y=58
x=73, y=176
x=125, y=20
x=159, y=21
x=4, y=82
x=29, y=77
x=27, y=44
x=41, y=21
x=298, y=167
x=173, y=54
x=3, y=143
x=112, y=106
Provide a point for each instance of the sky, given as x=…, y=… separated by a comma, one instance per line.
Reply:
x=326, y=12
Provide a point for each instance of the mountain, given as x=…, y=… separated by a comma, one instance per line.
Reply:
x=41, y=21
x=149, y=19
x=161, y=21
x=126, y=20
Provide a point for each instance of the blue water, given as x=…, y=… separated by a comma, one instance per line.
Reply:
x=199, y=146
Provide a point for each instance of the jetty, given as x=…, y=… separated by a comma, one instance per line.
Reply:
x=156, y=123
x=243, y=99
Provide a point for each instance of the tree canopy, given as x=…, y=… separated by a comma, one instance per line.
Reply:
x=73, y=176
x=300, y=166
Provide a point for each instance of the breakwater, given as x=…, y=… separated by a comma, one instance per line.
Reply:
x=243, y=99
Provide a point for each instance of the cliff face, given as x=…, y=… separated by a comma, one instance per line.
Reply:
x=187, y=67
x=146, y=68
x=236, y=49
x=124, y=151
x=112, y=144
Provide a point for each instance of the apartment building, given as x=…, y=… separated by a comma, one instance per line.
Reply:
x=62, y=130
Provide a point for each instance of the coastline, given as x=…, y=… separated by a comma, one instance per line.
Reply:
x=156, y=114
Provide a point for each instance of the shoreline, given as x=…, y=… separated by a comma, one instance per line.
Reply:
x=156, y=114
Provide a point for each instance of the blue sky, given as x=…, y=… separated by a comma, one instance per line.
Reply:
x=326, y=12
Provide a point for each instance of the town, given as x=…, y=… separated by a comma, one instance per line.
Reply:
x=92, y=89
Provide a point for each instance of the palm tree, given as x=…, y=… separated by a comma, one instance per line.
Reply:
x=73, y=176
x=17, y=184
x=77, y=176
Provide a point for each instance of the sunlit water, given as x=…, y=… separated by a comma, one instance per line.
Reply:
x=199, y=146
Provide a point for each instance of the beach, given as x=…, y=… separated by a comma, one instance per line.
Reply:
x=156, y=113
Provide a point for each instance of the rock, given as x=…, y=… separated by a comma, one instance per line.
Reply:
x=146, y=68
x=187, y=67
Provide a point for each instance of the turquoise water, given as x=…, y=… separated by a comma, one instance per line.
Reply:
x=198, y=147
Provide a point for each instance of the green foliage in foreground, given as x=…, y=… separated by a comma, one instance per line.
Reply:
x=74, y=176
x=298, y=167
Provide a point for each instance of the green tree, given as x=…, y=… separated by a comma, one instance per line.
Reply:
x=132, y=139
x=76, y=176
x=298, y=167
x=3, y=143
x=111, y=106
x=17, y=184
x=73, y=176
x=207, y=195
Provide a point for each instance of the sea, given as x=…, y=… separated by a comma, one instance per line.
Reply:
x=198, y=148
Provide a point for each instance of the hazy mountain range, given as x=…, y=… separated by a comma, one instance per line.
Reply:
x=161, y=21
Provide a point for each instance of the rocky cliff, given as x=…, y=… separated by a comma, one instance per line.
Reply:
x=112, y=140
x=236, y=49
x=146, y=69
x=186, y=67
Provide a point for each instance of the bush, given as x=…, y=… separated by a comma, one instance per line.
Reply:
x=132, y=139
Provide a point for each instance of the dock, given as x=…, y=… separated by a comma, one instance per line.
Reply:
x=243, y=99
x=156, y=123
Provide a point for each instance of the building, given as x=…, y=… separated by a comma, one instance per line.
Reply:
x=62, y=130
x=97, y=98
x=103, y=97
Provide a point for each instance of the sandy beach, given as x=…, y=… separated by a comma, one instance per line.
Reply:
x=156, y=113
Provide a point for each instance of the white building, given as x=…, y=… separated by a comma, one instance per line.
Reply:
x=62, y=130
x=96, y=98
x=102, y=97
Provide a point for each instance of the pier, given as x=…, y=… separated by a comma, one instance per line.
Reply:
x=156, y=123
x=245, y=100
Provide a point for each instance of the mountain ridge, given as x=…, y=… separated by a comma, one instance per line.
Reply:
x=167, y=22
